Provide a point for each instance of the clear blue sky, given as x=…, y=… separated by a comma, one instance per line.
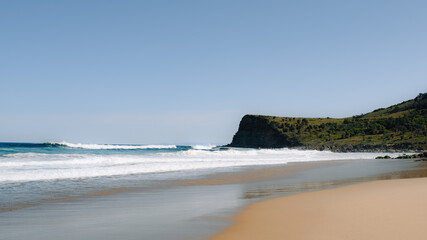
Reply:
x=187, y=71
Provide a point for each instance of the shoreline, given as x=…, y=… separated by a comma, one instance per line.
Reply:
x=341, y=149
x=244, y=175
x=202, y=206
x=385, y=209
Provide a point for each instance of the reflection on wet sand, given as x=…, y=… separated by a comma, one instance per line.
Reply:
x=292, y=188
x=256, y=174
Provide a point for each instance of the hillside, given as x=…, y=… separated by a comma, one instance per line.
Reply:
x=397, y=128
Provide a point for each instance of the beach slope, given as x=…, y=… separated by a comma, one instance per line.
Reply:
x=390, y=209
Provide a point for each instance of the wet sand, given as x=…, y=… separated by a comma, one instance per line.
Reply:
x=244, y=175
x=393, y=209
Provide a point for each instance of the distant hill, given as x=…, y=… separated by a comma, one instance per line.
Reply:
x=397, y=128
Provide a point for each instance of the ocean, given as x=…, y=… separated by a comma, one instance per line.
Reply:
x=33, y=172
x=113, y=191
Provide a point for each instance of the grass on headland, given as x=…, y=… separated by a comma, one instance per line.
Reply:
x=400, y=126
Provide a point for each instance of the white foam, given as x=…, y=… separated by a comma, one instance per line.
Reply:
x=111, y=146
x=203, y=147
x=21, y=167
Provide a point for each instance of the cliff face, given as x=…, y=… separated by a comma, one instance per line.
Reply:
x=258, y=132
x=401, y=127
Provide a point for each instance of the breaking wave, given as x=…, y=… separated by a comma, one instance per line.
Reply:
x=23, y=167
x=203, y=147
x=108, y=146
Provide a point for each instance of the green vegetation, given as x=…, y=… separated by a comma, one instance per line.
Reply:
x=401, y=126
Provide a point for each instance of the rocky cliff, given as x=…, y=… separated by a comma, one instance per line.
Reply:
x=259, y=132
x=401, y=127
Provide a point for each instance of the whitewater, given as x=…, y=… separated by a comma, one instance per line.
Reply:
x=52, y=161
x=34, y=172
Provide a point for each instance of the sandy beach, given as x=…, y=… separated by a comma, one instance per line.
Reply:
x=392, y=209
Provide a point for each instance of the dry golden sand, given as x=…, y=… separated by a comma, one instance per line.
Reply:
x=391, y=209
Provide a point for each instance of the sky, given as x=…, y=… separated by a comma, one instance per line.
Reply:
x=176, y=72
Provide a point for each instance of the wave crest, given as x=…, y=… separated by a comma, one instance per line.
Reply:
x=203, y=147
x=109, y=146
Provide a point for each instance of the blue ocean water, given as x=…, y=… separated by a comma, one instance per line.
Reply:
x=34, y=172
x=70, y=148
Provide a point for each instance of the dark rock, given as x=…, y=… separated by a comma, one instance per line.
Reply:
x=256, y=132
